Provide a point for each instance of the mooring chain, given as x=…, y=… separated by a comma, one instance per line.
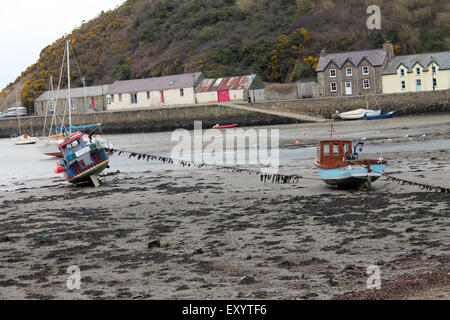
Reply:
x=406, y=182
x=273, y=178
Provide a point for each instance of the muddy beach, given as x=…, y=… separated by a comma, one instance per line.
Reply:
x=228, y=236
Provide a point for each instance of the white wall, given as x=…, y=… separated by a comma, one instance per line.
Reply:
x=207, y=97
x=171, y=97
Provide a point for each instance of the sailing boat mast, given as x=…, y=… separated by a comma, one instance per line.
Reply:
x=68, y=87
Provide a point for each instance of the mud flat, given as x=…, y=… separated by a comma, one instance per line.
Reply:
x=229, y=236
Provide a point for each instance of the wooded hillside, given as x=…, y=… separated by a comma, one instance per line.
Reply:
x=279, y=40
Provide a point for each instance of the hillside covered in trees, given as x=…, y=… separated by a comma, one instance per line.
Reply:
x=279, y=40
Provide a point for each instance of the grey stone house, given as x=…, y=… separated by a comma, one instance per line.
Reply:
x=83, y=100
x=352, y=73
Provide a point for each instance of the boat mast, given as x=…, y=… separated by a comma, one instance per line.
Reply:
x=18, y=113
x=68, y=88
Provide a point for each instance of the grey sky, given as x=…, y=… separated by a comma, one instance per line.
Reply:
x=29, y=26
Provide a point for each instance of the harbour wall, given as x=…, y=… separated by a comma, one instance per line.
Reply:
x=401, y=103
x=151, y=120
x=171, y=118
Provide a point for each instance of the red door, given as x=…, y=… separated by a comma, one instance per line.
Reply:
x=224, y=96
x=162, y=97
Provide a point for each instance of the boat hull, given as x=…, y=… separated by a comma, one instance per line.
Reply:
x=351, y=175
x=383, y=116
x=352, y=115
x=86, y=175
x=49, y=147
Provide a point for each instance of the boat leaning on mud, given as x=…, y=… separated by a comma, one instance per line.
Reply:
x=83, y=159
x=339, y=167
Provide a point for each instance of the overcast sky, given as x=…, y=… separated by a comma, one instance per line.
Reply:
x=27, y=26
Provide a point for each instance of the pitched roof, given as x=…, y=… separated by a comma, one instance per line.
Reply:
x=228, y=83
x=376, y=57
x=442, y=59
x=154, y=84
x=95, y=91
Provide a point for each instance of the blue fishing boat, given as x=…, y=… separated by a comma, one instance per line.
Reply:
x=381, y=116
x=338, y=166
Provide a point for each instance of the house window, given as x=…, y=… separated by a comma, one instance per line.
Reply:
x=120, y=97
x=52, y=107
x=433, y=69
x=366, y=84
x=333, y=86
x=112, y=98
x=403, y=85
x=434, y=83
x=108, y=100
x=72, y=104
x=181, y=92
x=402, y=72
x=418, y=71
x=333, y=73
x=365, y=70
x=349, y=72
x=148, y=95
x=134, y=98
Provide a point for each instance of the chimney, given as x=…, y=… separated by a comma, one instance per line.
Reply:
x=389, y=49
x=323, y=53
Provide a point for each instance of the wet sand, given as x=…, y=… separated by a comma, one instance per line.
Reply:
x=229, y=236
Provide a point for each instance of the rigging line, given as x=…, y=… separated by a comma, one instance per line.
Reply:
x=84, y=86
x=275, y=178
x=412, y=183
x=57, y=96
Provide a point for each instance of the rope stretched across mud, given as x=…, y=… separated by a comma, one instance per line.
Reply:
x=273, y=178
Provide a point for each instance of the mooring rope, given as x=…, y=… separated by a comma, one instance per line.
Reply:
x=405, y=182
x=273, y=178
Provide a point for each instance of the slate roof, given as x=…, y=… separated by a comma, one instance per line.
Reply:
x=95, y=91
x=376, y=57
x=442, y=59
x=154, y=84
x=228, y=83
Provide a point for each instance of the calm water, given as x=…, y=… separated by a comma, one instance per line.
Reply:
x=24, y=164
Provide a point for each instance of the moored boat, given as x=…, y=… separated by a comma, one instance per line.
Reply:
x=381, y=116
x=217, y=126
x=83, y=159
x=338, y=166
x=358, y=114
x=24, y=140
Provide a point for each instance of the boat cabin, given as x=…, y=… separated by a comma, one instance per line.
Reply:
x=74, y=143
x=334, y=152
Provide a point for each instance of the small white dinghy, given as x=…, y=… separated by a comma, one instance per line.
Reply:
x=24, y=139
x=359, y=114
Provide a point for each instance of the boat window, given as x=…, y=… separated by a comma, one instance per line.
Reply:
x=85, y=139
x=74, y=144
x=346, y=148
x=326, y=149
x=335, y=149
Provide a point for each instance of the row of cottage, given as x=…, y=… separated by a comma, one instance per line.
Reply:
x=338, y=74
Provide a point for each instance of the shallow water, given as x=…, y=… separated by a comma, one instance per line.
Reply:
x=19, y=164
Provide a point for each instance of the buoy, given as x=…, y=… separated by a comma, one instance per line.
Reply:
x=304, y=133
x=59, y=169
x=297, y=142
